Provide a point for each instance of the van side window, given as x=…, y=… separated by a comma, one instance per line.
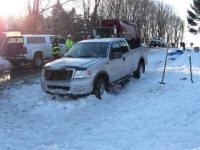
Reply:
x=61, y=41
x=51, y=39
x=35, y=40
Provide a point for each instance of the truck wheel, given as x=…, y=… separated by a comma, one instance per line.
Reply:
x=15, y=63
x=140, y=70
x=99, y=88
x=37, y=61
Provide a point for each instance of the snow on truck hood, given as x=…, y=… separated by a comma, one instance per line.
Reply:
x=75, y=62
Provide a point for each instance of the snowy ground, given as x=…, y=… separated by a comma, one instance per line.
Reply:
x=4, y=64
x=142, y=115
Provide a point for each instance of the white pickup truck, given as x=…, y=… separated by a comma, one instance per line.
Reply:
x=92, y=66
x=32, y=48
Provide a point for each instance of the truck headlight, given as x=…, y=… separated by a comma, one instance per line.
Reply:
x=82, y=74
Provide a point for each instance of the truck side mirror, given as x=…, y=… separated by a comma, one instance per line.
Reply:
x=115, y=55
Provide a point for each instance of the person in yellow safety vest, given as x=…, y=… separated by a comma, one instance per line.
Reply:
x=69, y=42
x=55, y=48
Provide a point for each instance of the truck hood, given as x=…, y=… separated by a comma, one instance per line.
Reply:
x=73, y=62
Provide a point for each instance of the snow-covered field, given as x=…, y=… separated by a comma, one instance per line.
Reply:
x=4, y=64
x=143, y=115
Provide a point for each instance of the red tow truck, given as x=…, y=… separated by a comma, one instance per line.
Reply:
x=119, y=28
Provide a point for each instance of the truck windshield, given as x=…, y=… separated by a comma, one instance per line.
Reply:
x=88, y=50
x=104, y=32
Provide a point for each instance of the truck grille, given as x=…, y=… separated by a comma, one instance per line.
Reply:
x=56, y=75
x=58, y=87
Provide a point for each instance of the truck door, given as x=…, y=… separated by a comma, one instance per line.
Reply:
x=127, y=58
x=49, y=42
x=47, y=50
x=136, y=54
x=116, y=65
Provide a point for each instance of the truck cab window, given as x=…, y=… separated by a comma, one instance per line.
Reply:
x=124, y=47
x=116, y=51
x=116, y=47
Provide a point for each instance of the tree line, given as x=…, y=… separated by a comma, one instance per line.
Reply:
x=154, y=18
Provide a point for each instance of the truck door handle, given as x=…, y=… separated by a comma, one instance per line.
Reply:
x=124, y=58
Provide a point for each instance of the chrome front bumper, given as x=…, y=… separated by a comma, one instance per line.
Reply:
x=73, y=87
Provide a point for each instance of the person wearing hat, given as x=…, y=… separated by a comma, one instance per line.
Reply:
x=55, y=48
x=69, y=42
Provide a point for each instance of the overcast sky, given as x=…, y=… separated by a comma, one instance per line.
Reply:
x=180, y=6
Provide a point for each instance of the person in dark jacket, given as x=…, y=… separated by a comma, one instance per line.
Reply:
x=183, y=45
x=55, y=48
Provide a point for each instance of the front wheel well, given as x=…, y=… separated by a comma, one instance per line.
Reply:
x=140, y=69
x=37, y=59
x=38, y=53
x=142, y=60
x=101, y=75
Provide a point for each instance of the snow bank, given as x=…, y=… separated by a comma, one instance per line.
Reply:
x=142, y=115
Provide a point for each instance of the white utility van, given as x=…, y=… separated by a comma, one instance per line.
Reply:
x=30, y=48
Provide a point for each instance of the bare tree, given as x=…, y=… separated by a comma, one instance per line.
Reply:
x=95, y=17
x=152, y=17
x=162, y=15
x=34, y=19
x=86, y=13
x=178, y=30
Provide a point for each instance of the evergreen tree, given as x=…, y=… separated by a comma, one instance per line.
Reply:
x=194, y=17
x=58, y=19
x=62, y=22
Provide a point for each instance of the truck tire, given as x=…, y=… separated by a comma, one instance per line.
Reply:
x=99, y=88
x=140, y=70
x=37, y=61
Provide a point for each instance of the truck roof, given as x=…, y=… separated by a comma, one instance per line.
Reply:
x=31, y=35
x=108, y=40
x=36, y=35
